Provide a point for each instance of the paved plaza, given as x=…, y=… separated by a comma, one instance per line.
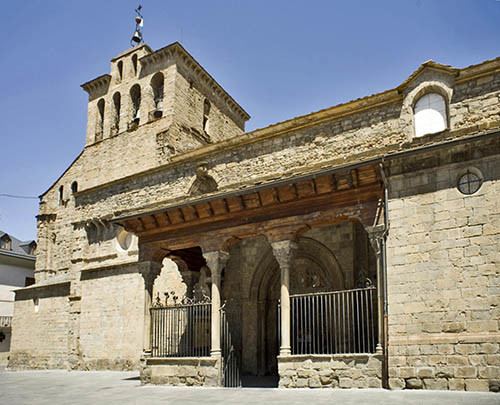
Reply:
x=113, y=387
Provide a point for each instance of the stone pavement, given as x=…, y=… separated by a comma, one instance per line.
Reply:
x=113, y=387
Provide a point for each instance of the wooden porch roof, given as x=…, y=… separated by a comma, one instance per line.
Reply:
x=297, y=197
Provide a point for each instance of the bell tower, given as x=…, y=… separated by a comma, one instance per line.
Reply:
x=152, y=106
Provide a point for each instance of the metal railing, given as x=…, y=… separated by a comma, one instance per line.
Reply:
x=5, y=321
x=334, y=322
x=231, y=365
x=181, y=330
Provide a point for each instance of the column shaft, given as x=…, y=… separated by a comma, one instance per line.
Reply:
x=284, y=252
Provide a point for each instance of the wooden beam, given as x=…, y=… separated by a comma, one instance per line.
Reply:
x=204, y=210
x=305, y=188
x=251, y=200
x=175, y=217
x=324, y=184
x=234, y=204
x=338, y=200
x=189, y=212
x=269, y=197
x=287, y=193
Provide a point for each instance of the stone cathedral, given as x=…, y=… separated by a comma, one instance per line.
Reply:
x=356, y=246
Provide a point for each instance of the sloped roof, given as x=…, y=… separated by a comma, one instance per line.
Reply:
x=18, y=247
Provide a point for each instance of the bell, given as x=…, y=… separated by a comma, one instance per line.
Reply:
x=137, y=37
x=139, y=21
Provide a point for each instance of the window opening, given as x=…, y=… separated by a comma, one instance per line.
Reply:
x=120, y=69
x=430, y=114
x=74, y=187
x=206, y=113
x=135, y=95
x=6, y=243
x=469, y=183
x=100, y=120
x=61, y=193
x=157, y=86
x=117, y=101
x=134, y=62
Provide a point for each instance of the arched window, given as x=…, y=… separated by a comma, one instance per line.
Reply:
x=100, y=120
x=120, y=70
x=430, y=114
x=134, y=63
x=135, y=97
x=117, y=101
x=206, y=113
x=74, y=187
x=61, y=194
x=157, y=87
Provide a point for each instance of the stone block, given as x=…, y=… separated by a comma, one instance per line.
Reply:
x=456, y=384
x=374, y=382
x=345, y=382
x=406, y=372
x=466, y=372
x=425, y=372
x=435, y=383
x=314, y=382
x=304, y=373
x=476, y=385
x=285, y=382
x=414, y=383
x=302, y=382
x=396, y=383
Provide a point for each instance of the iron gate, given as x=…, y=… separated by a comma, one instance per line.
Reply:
x=230, y=362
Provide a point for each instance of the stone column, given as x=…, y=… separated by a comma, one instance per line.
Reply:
x=216, y=260
x=149, y=271
x=284, y=252
x=376, y=234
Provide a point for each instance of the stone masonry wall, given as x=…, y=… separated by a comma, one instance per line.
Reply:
x=444, y=271
x=40, y=338
x=181, y=371
x=330, y=371
x=111, y=320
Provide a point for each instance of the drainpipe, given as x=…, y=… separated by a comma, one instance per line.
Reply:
x=385, y=371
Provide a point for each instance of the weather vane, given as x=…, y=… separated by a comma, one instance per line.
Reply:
x=139, y=23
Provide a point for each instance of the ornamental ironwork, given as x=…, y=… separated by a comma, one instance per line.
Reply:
x=171, y=299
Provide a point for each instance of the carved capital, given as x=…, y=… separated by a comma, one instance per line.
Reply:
x=284, y=252
x=376, y=235
x=216, y=260
x=149, y=271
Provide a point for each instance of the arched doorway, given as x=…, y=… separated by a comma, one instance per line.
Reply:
x=315, y=269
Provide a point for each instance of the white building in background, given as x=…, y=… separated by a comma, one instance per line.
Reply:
x=17, y=263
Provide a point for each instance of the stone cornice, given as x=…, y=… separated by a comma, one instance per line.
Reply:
x=99, y=83
x=176, y=50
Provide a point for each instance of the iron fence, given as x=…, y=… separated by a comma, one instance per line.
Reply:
x=231, y=365
x=5, y=321
x=181, y=330
x=334, y=322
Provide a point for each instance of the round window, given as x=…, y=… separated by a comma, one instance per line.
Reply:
x=469, y=183
x=124, y=238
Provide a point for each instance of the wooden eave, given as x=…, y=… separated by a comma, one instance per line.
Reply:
x=354, y=187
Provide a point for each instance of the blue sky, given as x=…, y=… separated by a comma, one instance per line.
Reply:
x=278, y=59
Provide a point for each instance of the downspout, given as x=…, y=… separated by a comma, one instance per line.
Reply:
x=385, y=371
